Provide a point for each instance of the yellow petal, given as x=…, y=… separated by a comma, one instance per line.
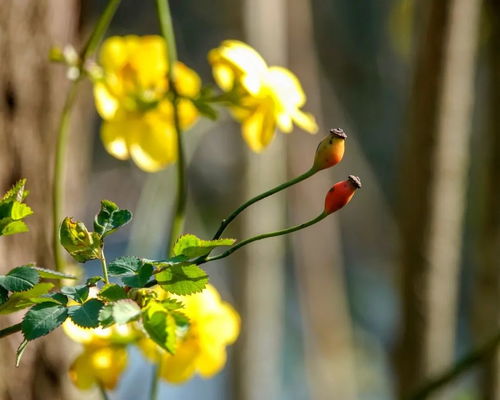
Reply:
x=181, y=366
x=305, y=121
x=188, y=113
x=188, y=83
x=106, y=104
x=114, y=52
x=244, y=62
x=284, y=122
x=149, y=60
x=153, y=144
x=102, y=365
x=286, y=87
x=243, y=57
x=114, y=136
x=258, y=129
x=224, y=76
x=211, y=360
x=150, y=349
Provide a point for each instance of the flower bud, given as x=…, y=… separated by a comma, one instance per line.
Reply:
x=330, y=150
x=78, y=241
x=341, y=193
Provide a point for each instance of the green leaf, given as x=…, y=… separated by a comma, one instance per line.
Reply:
x=141, y=278
x=13, y=210
x=125, y=311
x=9, y=227
x=106, y=315
x=110, y=218
x=20, y=351
x=183, y=280
x=20, y=279
x=17, y=192
x=124, y=266
x=4, y=295
x=20, y=211
x=92, y=281
x=181, y=320
x=21, y=300
x=43, y=319
x=51, y=274
x=193, y=247
x=205, y=109
x=112, y=292
x=86, y=315
x=78, y=241
x=78, y=293
x=58, y=298
x=160, y=326
x=172, y=304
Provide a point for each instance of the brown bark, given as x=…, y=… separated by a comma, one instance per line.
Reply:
x=433, y=187
x=31, y=95
x=486, y=316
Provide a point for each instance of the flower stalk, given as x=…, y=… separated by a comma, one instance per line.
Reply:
x=265, y=236
x=167, y=31
x=63, y=129
x=225, y=222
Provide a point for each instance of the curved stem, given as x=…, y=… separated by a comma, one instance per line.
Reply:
x=225, y=222
x=104, y=267
x=99, y=30
x=62, y=130
x=10, y=330
x=265, y=236
x=103, y=393
x=167, y=31
x=58, y=183
x=469, y=360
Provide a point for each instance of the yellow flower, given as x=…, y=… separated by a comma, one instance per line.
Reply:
x=213, y=324
x=132, y=98
x=104, y=356
x=268, y=97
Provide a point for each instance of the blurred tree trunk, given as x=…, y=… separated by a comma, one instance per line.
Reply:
x=32, y=91
x=487, y=294
x=261, y=344
x=328, y=333
x=435, y=164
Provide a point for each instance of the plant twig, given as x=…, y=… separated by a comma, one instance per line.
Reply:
x=63, y=131
x=465, y=363
x=167, y=31
x=10, y=330
x=264, y=236
x=225, y=222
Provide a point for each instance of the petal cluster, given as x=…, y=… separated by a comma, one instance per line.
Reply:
x=264, y=98
x=104, y=355
x=132, y=97
x=213, y=325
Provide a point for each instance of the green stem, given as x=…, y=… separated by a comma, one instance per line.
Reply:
x=167, y=30
x=10, y=330
x=465, y=363
x=265, y=236
x=58, y=184
x=104, y=267
x=102, y=390
x=62, y=130
x=155, y=381
x=225, y=222
x=99, y=30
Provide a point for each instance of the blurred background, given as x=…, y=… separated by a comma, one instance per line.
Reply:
x=369, y=304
